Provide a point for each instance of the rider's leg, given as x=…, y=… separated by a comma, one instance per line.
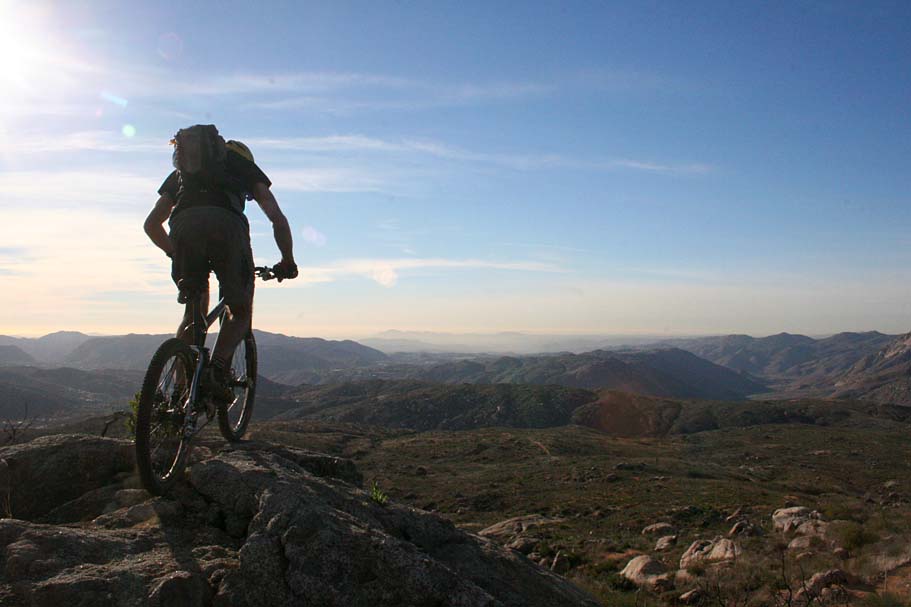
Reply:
x=232, y=332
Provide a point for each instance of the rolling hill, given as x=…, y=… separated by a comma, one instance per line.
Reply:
x=669, y=372
x=793, y=365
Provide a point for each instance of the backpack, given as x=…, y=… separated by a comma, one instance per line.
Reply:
x=199, y=156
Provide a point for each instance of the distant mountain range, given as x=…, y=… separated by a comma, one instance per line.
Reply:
x=282, y=358
x=664, y=372
x=52, y=348
x=793, y=365
x=394, y=341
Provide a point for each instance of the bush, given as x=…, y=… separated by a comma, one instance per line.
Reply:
x=131, y=419
x=378, y=495
x=853, y=536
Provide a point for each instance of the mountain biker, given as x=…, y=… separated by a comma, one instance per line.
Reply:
x=204, y=199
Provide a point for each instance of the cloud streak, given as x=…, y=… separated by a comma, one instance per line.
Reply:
x=386, y=272
x=357, y=144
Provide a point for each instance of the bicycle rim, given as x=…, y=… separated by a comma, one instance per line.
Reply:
x=161, y=447
x=234, y=417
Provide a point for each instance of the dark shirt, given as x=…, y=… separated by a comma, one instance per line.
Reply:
x=243, y=175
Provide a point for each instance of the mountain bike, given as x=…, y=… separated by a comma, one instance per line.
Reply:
x=173, y=410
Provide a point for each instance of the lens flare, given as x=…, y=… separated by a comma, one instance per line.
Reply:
x=128, y=130
x=170, y=46
x=114, y=99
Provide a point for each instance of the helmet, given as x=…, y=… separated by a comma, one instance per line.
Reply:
x=240, y=148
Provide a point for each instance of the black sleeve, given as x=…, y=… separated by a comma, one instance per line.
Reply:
x=247, y=172
x=170, y=185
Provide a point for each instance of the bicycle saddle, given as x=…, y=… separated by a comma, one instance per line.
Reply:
x=190, y=287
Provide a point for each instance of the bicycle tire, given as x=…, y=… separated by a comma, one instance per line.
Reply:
x=159, y=415
x=233, y=422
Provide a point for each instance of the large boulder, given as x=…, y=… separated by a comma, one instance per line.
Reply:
x=789, y=520
x=269, y=525
x=644, y=571
x=719, y=550
x=41, y=475
x=514, y=527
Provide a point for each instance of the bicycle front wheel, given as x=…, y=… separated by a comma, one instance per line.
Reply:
x=234, y=417
x=161, y=448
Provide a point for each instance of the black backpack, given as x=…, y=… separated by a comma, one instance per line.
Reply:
x=199, y=153
x=200, y=157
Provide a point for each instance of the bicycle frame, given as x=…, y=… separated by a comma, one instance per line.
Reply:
x=200, y=326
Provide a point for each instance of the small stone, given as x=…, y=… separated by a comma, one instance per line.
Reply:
x=665, y=543
x=524, y=544
x=658, y=529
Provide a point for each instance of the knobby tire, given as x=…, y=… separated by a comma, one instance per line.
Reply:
x=233, y=424
x=150, y=414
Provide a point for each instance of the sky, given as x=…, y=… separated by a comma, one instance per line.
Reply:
x=658, y=168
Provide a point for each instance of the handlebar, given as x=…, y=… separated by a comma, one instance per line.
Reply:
x=267, y=273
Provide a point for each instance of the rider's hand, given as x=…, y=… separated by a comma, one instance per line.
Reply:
x=285, y=269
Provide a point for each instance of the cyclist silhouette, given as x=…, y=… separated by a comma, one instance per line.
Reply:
x=203, y=201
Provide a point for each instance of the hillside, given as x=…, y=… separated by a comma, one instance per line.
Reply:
x=633, y=415
x=589, y=503
x=792, y=365
x=14, y=355
x=786, y=356
x=64, y=393
x=669, y=372
x=50, y=349
x=425, y=406
x=884, y=376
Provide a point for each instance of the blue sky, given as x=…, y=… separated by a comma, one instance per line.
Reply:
x=585, y=167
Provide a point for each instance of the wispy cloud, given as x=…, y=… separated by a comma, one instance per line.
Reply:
x=82, y=141
x=313, y=236
x=386, y=272
x=517, y=161
x=328, y=179
x=77, y=189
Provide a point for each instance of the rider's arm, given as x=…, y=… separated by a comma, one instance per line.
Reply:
x=154, y=224
x=280, y=228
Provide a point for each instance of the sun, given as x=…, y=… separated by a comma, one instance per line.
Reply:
x=23, y=58
x=33, y=61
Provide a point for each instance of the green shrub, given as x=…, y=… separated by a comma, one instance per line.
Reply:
x=131, y=418
x=378, y=495
x=853, y=536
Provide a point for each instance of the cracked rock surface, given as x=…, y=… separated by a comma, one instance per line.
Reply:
x=258, y=524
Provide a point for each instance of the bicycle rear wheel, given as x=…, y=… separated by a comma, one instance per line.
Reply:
x=161, y=448
x=234, y=417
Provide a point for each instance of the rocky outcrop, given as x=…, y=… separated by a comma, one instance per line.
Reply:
x=259, y=525
x=43, y=475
